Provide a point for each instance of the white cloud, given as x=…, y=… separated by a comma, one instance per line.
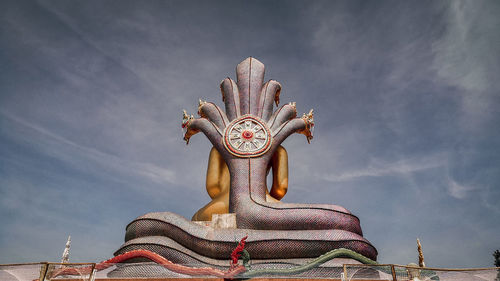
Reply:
x=464, y=56
x=155, y=173
x=80, y=156
x=457, y=190
x=379, y=168
x=489, y=199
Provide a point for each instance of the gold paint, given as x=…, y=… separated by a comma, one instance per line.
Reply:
x=277, y=96
x=309, y=116
x=279, y=164
x=218, y=183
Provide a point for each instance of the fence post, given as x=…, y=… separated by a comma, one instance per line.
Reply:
x=92, y=273
x=345, y=272
x=393, y=273
x=43, y=271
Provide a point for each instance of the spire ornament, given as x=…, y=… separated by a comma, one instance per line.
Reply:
x=421, y=262
x=65, y=255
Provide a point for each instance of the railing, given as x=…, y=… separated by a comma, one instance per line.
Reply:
x=44, y=271
x=87, y=272
x=393, y=272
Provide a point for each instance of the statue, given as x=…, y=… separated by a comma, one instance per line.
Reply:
x=247, y=136
x=246, y=139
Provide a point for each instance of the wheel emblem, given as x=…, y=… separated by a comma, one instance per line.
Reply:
x=247, y=136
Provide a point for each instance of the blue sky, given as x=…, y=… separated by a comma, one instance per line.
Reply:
x=406, y=98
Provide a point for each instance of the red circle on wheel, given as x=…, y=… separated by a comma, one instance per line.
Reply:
x=247, y=135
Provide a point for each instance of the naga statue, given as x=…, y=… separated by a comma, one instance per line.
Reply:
x=246, y=139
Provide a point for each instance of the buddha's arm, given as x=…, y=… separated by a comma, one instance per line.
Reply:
x=280, y=173
x=217, y=174
x=213, y=173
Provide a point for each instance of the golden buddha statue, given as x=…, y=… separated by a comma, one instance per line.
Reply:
x=218, y=183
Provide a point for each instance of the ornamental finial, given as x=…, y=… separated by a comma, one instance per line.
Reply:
x=421, y=262
x=65, y=255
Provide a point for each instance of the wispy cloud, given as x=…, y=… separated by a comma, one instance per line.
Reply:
x=458, y=191
x=463, y=58
x=378, y=168
x=81, y=156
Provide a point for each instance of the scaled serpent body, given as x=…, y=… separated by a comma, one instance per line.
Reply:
x=193, y=271
x=337, y=253
x=235, y=271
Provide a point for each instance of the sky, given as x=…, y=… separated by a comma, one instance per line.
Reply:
x=406, y=98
